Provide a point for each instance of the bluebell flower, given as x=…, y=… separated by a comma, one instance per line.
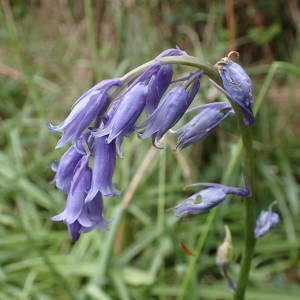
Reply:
x=128, y=110
x=157, y=85
x=90, y=105
x=170, y=110
x=80, y=186
x=265, y=221
x=237, y=85
x=157, y=78
x=202, y=124
x=208, y=198
x=65, y=169
x=103, y=169
x=81, y=215
x=91, y=216
x=68, y=162
x=157, y=67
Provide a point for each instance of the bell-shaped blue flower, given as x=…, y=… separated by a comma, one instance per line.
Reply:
x=157, y=78
x=157, y=85
x=103, y=169
x=67, y=164
x=91, y=216
x=208, y=198
x=265, y=221
x=80, y=185
x=128, y=110
x=85, y=110
x=202, y=124
x=65, y=169
x=170, y=110
x=237, y=86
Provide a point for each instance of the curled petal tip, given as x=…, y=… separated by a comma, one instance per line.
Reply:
x=233, y=55
x=53, y=128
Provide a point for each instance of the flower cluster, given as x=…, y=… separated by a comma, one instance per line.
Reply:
x=148, y=101
x=97, y=125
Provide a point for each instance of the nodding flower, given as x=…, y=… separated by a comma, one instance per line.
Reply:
x=86, y=109
x=170, y=110
x=126, y=114
x=91, y=216
x=80, y=185
x=203, y=123
x=265, y=221
x=237, y=85
x=208, y=198
x=103, y=169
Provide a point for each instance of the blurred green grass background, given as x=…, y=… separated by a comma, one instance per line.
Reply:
x=51, y=52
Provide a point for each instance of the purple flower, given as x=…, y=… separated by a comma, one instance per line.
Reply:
x=203, y=123
x=265, y=221
x=91, y=216
x=157, y=77
x=80, y=185
x=170, y=110
x=237, y=86
x=85, y=110
x=208, y=198
x=65, y=169
x=67, y=164
x=103, y=169
x=126, y=113
x=157, y=85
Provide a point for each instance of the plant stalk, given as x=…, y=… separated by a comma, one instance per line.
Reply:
x=250, y=206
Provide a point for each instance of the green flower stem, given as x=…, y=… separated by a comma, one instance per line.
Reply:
x=250, y=206
x=180, y=60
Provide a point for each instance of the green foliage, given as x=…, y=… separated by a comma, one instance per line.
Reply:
x=48, y=57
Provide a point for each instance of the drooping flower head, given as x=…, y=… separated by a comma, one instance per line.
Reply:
x=144, y=92
x=265, y=221
x=96, y=126
x=237, y=85
x=111, y=110
x=203, y=123
x=208, y=198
